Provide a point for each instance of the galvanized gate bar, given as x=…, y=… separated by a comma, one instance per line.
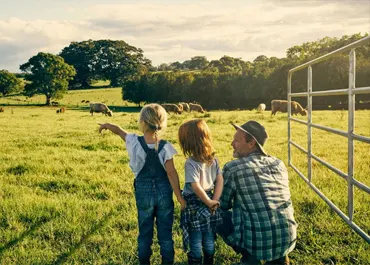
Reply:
x=358, y=137
x=355, y=227
x=299, y=147
x=349, y=134
x=361, y=138
x=331, y=54
x=351, y=127
x=328, y=129
x=298, y=120
x=361, y=186
x=332, y=168
x=336, y=92
x=309, y=123
x=289, y=83
x=318, y=159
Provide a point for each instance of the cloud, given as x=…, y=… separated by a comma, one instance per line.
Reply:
x=169, y=32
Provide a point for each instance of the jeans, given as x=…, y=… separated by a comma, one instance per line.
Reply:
x=155, y=202
x=227, y=228
x=200, y=239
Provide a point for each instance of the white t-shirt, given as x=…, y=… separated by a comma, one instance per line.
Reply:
x=200, y=172
x=137, y=154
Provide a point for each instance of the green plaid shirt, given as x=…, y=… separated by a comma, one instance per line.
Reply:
x=256, y=188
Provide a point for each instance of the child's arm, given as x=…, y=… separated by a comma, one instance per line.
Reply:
x=198, y=190
x=174, y=180
x=114, y=129
x=218, y=187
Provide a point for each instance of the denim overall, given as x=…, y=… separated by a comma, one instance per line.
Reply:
x=153, y=193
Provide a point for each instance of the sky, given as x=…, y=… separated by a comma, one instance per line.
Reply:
x=169, y=31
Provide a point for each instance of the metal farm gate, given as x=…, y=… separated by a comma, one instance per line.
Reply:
x=351, y=91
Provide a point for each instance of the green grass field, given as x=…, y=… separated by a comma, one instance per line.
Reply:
x=66, y=194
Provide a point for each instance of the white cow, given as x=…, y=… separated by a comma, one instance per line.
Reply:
x=261, y=107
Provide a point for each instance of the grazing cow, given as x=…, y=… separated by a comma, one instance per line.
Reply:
x=61, y=110
x=282, y=106
x=82, y=101
x=196, y=107
x=180, y=107
x=261, y=107
x=100, y=107
x=55, y=103
x=87, y=101
x=185, y=106
x=2, y=109
x=171, y=108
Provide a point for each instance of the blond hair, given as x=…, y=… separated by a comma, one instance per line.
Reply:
x=153, y=118
x=195, y=140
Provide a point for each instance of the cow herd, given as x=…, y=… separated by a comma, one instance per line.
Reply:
x=169, y=107
x=181, y=107
x=276, y=105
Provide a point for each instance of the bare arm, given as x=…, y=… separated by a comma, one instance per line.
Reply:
x=114, y=129
x=199, y=191
x=218, y=187
x=174, y=180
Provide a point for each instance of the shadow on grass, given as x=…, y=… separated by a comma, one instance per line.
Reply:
x=23, y=105
x=75, y=107
x=124, y=109
x=63, y=257
x=113, y=108
x=25, y=234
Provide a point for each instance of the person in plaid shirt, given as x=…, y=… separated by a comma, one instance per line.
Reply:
x=260, y=224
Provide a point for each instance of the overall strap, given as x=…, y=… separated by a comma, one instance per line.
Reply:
x=145, y=146
x=143, y=143
x=162, y=143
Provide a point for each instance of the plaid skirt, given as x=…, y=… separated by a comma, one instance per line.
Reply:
x=197, y=217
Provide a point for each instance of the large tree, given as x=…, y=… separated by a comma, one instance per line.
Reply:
x=48, y=75
x=111, y=60
x=9, y=83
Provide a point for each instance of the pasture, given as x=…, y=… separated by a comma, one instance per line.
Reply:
x=66, y=193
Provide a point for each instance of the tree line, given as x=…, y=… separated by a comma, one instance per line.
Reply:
x=227, y=83
x=231, y=83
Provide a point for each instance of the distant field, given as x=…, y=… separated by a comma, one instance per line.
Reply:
x=66, y=192
x=110, y=96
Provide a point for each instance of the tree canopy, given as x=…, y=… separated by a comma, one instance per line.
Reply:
x=48, y=75
x=111, y=60
x=9, y=83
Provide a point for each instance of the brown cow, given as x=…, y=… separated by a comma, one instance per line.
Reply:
x=180, y=107
x=100, y=107
x=2, y=109
x=196, y=107
x=61, y=110
x=282, y=106
x=171, y=108
x=185, y=106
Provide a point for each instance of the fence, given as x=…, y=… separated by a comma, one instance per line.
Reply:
x=351, y=91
